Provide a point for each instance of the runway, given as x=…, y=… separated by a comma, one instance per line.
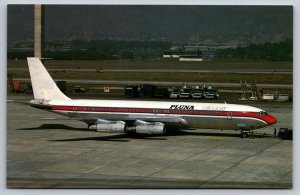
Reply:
x=64, y=154
x=232, y=71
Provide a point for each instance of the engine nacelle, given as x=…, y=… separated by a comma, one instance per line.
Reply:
x=111, y=127
x=150, y=129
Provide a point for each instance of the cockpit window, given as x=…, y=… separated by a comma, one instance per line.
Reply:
x=262, y=113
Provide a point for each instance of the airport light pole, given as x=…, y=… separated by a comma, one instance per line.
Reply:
x=38, y=30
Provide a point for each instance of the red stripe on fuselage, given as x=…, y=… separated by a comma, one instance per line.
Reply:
x=266, y=118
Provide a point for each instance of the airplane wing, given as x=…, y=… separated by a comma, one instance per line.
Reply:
x=141, y=125
x=132, y=118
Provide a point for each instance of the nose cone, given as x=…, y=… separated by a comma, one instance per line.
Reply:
x=270, y=119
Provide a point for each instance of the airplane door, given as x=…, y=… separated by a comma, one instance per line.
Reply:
x=229, y=115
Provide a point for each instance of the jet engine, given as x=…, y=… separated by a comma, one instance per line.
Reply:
x=149, y=128
x=109, y=126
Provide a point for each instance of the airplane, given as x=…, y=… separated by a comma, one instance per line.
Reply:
x=142, y=117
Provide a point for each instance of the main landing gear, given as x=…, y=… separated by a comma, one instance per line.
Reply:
x=246, y=133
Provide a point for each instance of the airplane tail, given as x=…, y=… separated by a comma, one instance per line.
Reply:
x=43, y=86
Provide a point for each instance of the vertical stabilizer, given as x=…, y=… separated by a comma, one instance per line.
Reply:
x=43, y=86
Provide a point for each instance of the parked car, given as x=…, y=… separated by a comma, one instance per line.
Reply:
x=175, y=95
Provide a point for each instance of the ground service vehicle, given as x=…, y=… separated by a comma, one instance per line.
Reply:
x=285, y=133
x=198, y=93
x=185, y=92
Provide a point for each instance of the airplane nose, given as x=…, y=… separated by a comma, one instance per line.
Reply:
x=271, y=120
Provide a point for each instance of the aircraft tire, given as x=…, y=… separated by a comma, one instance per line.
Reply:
x=244, y=135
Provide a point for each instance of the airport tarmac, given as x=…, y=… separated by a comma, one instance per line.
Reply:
x=43, y=153
x=160, y=83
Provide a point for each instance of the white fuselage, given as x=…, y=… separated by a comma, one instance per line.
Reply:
x=195, y=115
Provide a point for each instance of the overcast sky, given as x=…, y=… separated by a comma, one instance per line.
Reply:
x=181, y=23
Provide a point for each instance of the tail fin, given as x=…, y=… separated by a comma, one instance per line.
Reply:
x=43, y=86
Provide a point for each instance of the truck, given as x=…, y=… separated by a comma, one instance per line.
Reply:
x=131, y=91
x=147, y=90
x=78, y=89
x=211, y=92
x=186, y=92
x=161, y=92
x=198, y=92
x=285, y=133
